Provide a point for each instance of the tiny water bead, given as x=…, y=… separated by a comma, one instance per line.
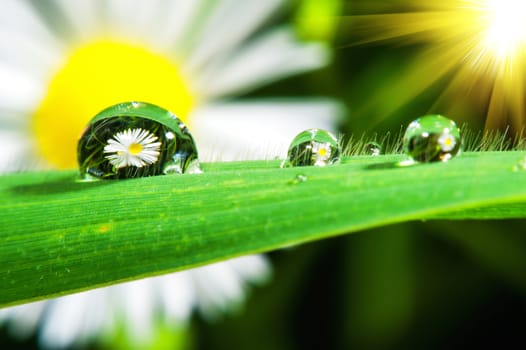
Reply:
x=135, y=139
x=372, y=148
x=314, y=147
x=432, y=138
x=521, y=165
x=299, y=178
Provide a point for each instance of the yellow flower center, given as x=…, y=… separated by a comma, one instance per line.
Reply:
x=322, y=152
x=135, y=149
x=96, y=76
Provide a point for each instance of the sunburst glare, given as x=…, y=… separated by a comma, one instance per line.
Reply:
x=507, y=30
x=478, y=45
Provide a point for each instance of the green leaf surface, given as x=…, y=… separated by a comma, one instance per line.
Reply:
x=59, y=235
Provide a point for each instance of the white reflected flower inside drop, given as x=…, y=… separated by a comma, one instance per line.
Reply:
x=135, y=147
x=447, y=142
x=322, y=153
x=190, y=57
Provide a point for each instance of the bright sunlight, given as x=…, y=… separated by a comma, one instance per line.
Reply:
x=507, y=30
x=479, y=45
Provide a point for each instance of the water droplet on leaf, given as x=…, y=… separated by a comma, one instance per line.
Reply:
x=520, y=166
x=135, y=139
x=372, y=149
x=314, y=147
x=432, y=138
x=299, y=178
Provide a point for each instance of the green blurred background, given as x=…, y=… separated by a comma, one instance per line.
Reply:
x=422, y=285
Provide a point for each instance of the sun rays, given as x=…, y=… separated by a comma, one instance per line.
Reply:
x=479, y=46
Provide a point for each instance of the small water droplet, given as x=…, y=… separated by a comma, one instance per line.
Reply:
x=135, y=139
x=313, y=147
x=372, y=148
x=299, y=178
x=521, y=166
x=432, y=138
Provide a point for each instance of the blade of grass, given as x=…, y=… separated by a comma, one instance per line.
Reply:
x=60, y=236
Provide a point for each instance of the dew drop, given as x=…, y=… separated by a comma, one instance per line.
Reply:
x=520, y=166
x=299, y=178
x=432, y=138
x=372, y=149
x=135, y=139
x=314, y=147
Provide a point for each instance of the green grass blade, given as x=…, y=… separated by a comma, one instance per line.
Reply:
x=59, y=235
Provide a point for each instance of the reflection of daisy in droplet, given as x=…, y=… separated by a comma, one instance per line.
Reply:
x=135, y=147
x=64, y=61
x=322, y=153
x=446, y=141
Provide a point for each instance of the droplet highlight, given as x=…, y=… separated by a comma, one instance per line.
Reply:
x=314, y=147
x=432, y=138
x=135, y=139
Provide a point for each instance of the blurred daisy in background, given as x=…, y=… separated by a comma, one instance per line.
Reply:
x=61, y=62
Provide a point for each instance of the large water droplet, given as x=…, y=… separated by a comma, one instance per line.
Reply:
x=135, y=139
x=432, y=138
x=314, y=147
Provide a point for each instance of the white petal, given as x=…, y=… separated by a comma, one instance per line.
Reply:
x=25, y=41
x=137, y=308
x=218, y=288
x=76, y=318
x=63, y=321
x=268, y=58
x=84, y=16
x=115, y=146
x=18, y=90
x=253, y=268
x=99, y=320
x=258, y=130
x=132, y=19
x=231, y=22
x=177, y=295
x=174, y=22
x=134, y=161
x=17, y=152
x=23, y=319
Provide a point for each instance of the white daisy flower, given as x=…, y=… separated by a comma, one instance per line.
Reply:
x=62, y=61
x=135, y=147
